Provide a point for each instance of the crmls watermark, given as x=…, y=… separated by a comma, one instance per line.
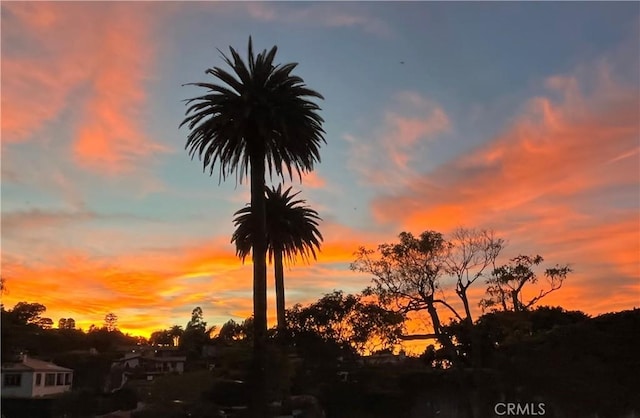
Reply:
x=519, y=409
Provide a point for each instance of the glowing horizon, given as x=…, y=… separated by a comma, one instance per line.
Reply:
x=501, y=116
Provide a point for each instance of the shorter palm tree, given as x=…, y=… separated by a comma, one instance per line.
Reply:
x=292, y=231
x=176, y=332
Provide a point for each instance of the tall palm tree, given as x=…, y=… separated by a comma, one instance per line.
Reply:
x=292, y=230
x=260, y=116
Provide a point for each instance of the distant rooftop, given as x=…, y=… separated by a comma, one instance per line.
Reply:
x=31, y=364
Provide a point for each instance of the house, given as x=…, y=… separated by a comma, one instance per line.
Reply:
x=31, y=378
x=147, y=362
x=150, y=363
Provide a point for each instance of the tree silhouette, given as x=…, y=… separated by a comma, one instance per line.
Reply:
x=197, y=320
x=259, y=118
x=66, y=323
x=111, y=322
x=176, y=332
x=28, y=313
x=230, y=331
x=45, y=323
x=292, y=230
x=407, y=278
x=348, y=321
x=507, y=283
x=160, y=337
x=471, y=253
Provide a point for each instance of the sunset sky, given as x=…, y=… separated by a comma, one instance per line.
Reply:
x=518, y=117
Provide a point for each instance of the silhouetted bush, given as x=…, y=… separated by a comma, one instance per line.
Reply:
x=76, y=404
x=583, y=368
x=32, y=408
x=228, y=393
x=125, y=399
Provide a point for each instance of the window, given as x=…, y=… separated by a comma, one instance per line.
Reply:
x=67, y=379
x=12, y=380
x=38, y=379
x=60, y=379
x=50, y=379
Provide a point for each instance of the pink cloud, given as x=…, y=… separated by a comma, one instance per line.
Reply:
x=549, y=183
x=555, y=149
x=310, y=179
x=95, y=57
x=38, y=85
x=313, y=180
x=109, y=138
x=408, y=126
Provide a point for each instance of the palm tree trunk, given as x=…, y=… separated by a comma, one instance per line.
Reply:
x=259, y=251
x=279, y=275
x=282, y=327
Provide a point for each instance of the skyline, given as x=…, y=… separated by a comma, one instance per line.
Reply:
x=516, y=117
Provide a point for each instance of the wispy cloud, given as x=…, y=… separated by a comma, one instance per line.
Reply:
x=36, y=219
x=86, y=284
x=389, y=154
x=567, y=165
x=324, y=15
x=79, y=61
x=94, y=213
x=109, y=138
x=26, y=221
x=313, y=180
x=554, y=150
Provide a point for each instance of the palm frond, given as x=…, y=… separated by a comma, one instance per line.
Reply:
x=292, y=227
x=258, y=107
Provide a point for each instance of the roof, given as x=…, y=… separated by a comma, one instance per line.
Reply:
x=149, y=358
x=30, y=364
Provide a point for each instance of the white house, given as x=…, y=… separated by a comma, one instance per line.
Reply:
x=31, y=378
x=146, y=362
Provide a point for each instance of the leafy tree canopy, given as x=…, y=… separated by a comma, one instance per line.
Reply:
x=507, y=283
x=348, y=321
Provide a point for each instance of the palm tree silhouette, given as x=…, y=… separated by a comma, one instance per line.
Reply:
x=258, y=118
x=176, y=332
x=292, y=230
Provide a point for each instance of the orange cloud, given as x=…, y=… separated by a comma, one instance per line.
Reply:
x=38, y=87
x=100, y=53
x=154, y=287
x=109, y=138
x=554, y=150
x=313, y=180
x=561, y=181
